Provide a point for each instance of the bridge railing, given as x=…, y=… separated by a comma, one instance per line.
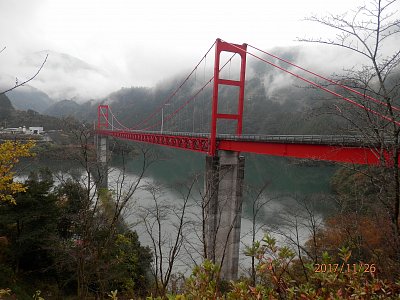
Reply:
x=345, y=140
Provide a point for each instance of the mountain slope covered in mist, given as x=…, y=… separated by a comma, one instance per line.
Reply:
x=275, y=103
x=27, y=97
x=10, y=117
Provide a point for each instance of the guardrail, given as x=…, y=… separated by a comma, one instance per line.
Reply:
x=345, y=140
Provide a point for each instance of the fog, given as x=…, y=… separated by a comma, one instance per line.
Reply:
x=97, y=47
x=66, y=77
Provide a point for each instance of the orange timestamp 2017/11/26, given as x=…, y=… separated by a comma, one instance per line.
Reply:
x=344, y=268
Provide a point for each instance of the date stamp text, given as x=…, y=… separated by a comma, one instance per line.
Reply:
x=344, y=268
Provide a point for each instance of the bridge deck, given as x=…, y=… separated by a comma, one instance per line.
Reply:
x=343, y=148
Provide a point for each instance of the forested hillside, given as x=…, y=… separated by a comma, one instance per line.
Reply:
x=10, y=117
x=29, y=98
x=292, y=108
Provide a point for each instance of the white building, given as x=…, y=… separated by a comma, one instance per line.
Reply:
x=35, y=130
x=20, y=130
x=14, y=130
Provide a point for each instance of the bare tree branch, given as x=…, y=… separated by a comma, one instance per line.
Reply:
x=26, y=81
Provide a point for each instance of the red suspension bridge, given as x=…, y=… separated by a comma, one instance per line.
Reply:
x=223, y=144
x=348, y=149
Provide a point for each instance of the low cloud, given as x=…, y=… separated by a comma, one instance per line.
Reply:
x=62, y=76
x=323, y=60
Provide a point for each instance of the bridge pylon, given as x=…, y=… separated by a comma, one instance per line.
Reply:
x=220, y=47
x=224, y=175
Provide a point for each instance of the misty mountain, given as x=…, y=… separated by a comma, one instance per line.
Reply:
x=59, y=61
x=275, y=103
x=10, y=117
x=63, y=108
x=128, y=102
x=63, y=76
x=271, y=107
x=6, y=108
x=28, y=97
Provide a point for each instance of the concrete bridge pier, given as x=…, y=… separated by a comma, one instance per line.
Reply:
x=101, y=172
x=223, y=207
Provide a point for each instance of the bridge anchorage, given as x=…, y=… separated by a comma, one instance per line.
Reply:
x=224, y=172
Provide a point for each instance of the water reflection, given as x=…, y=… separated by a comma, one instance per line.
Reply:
x=289, y=185
x=294, y=190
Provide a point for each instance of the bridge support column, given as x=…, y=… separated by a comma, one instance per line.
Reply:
x=101, y=141
x=102, y=159
x=223, y=207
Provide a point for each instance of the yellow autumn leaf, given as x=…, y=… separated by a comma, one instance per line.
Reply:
x=10, y=154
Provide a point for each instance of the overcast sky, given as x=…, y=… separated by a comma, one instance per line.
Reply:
x=139, y=43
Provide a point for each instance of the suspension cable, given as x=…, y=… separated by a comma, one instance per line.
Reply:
x=321, y=87
x=170, y=116
x=327, y=79
x=105, y=117
x=115, y=118
x=157, y=111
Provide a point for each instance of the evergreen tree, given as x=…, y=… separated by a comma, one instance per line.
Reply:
x=30, y=227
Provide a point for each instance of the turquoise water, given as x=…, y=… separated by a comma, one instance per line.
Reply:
x=284, y=175
x=286, y=178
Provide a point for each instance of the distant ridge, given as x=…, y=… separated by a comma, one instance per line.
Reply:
x=64, y=108
x=28, y=97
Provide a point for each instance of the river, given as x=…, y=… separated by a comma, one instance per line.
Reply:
x=289, y=182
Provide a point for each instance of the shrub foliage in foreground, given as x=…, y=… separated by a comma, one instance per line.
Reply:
x=278, y=278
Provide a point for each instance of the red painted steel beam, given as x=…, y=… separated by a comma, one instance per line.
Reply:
x=228, y=116
x=336, y=153
x=102, y=116
x=241, y=50
x=198, y=144
x=229, y=82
